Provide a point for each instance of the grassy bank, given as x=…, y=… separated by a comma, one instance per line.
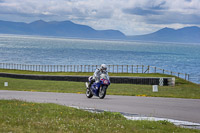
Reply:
x=18, y=116
x=183, y=89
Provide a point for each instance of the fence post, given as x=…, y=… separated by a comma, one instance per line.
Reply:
x=148, y=68
x=132, y=69
x=163, y=71
x=142, y=68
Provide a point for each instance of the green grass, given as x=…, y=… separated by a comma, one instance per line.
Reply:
x=182, y=89
x=17, y=116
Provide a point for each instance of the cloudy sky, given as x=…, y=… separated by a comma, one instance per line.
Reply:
x=132, y=17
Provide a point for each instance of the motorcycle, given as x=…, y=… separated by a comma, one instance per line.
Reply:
x=98, y=88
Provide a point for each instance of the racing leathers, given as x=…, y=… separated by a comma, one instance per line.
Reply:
x=96, y=76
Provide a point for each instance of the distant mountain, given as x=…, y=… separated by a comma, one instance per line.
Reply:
x=55, y=28
x=184, y=35
x=70, y=29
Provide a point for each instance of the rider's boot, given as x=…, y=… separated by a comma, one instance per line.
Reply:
x=90, y=84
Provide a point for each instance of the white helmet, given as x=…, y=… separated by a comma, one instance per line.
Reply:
x=103, y=67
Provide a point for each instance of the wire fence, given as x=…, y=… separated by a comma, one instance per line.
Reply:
x=92, y=68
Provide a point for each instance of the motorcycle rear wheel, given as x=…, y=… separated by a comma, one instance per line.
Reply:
x=102, y=92
x=89, y=93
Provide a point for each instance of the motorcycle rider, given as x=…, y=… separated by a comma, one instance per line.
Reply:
x=97, y=73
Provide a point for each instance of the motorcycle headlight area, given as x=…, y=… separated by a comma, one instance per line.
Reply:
x=105, y=82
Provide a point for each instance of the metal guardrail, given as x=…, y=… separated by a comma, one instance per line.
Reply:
x=91, y=68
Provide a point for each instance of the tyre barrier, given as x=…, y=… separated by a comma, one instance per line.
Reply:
x=161, y=81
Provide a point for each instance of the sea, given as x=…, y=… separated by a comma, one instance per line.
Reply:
x=37, y=50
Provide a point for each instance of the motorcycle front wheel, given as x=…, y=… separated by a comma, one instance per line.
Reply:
x=88, y=93
x=102, y=91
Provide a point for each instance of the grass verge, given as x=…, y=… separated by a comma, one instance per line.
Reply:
x=19, y=116
x=182, y=89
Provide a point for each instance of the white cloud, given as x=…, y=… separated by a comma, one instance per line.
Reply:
x=128, y=16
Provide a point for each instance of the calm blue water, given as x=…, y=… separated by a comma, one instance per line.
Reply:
x=183, y=58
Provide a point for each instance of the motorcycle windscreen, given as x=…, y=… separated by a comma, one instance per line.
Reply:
x=103, y=76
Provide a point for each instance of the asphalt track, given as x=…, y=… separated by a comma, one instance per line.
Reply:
x=171, y=108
